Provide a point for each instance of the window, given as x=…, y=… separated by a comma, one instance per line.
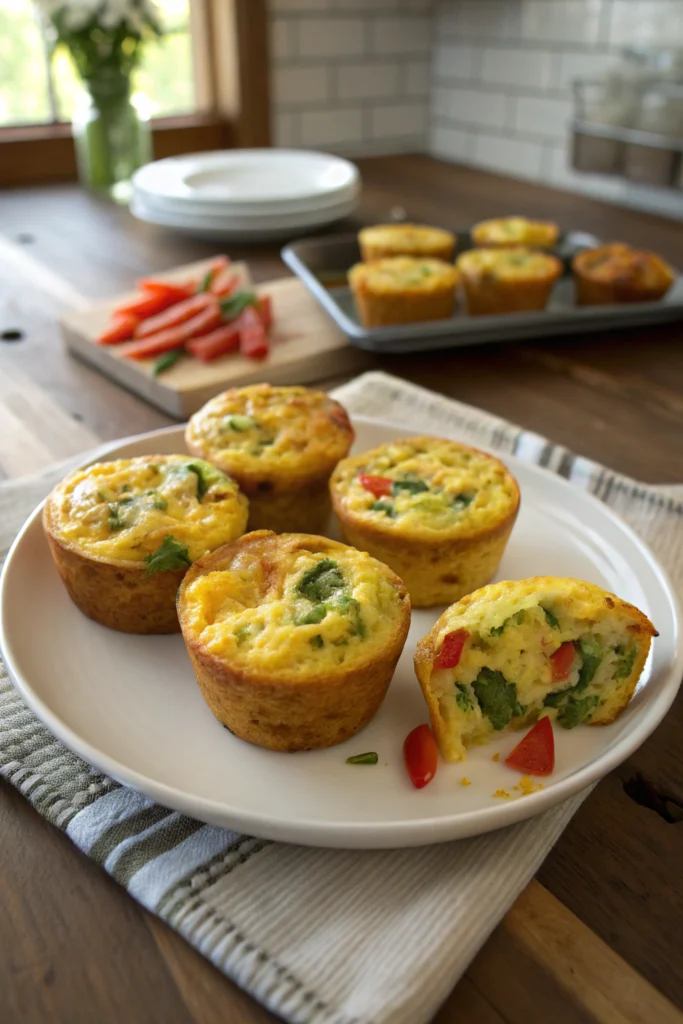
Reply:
x=37, y=88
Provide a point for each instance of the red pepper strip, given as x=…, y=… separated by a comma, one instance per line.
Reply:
x=380, y=486
x=451, y=649
x=253, y=341
x=224, y=283
x=149, y=304
x=177, y=292
x=221, y=341
x=265, y=308
x=177, y=314
x=421, y=756
x=561, y=661
x=120, y=329
x=535, y=755
x=203, y=323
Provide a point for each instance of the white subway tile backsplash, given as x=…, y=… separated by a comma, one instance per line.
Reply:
x=567, y=67
x=416, y=78
x=472, y=106
x=440, y=101
x=332, y=127
x=400, y=35
x=542, y=115
x=480, y=18
x=282, y=42
x=508, y=155
x=286, y=129
x=367, y=80
x=561, y=21
x=396, y=120
x=286, y=6
x=453, y=60
x=646, y=22
x=451, y=143
x=516, y=67
x=301, y=86
x=331, y=37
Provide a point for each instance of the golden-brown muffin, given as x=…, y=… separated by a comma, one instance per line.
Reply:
x=507, y=280
x=403, y=290
x=510, y=652
x=617, y=273
x=280, y=444
x=293, y=638
x=503, y=232
x=439, y=513
x=405, y=240
x=123, y=534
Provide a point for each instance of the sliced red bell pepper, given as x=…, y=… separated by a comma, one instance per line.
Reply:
x=177, y=292
x=253, y=341
x=224, y=283
x=535, y=755
x=176, y=315
x=561, y=661
x=265, y=308
x=120, y=329
x=451, y=649
x=421, y=756
x=150, y=304
x=380, y=486
x=206, y=321
x=218, y=343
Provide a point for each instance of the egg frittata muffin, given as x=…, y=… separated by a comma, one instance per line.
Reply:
x=617, y=273
x=293, y=638
x=280, y=444
x=124, y=533
x=405, y=240
x=507, y=280
x=503, y=232
x=403, y=290
x=513, y=651
x=439, y=513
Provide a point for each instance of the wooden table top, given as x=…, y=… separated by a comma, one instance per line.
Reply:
x=596, y=937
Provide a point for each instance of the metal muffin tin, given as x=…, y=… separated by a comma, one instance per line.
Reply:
x=321, y=264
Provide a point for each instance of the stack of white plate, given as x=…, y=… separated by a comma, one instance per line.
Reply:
x=247, y=195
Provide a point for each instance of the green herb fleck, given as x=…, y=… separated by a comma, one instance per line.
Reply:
x=384, y=506
x=519, y=617
x=239, y=423
x=461, y=501
x=551, y=619
x=205, y=282
x=497, y=697
x=316, y=641
x=206, y=474
x=166, y=361
x=462, y=698
x=576, y=710
x=267, y=441
x=497, y=630
x=591, y=655
x=322, y=581
x=241, y=634
x=312, y=617
x=369, y=758
x=169, y=556
x=236, y=303
x=625, y=665
x=126, y=489
x=102, y=496
x=411, y=486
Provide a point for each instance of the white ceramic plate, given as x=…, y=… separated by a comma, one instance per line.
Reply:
x=130, y=704
x=250, y=180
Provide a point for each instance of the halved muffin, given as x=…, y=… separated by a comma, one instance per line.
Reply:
x=280, y=444
x=405, y=240
x=503, y=232
x=507, y=280
x=403, y=290
x=512, y=651
x=123, y=534
x=439, y=513
x=617, y=273
x=293, y=638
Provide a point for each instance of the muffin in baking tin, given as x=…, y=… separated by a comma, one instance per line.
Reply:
x=403, y=290
x=507, y=280
x=618, y=273
x=405, y=240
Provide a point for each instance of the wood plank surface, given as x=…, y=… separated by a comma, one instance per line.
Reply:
x=597, y=938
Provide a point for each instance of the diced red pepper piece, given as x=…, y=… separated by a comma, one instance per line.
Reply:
x=380, y=486
x=176, y=315
x=221, y=341
x=265, y=309
x=120, y=329
x=561, y=661
x=203, y=323
x=421, y=756
x=451, y=649
x=535, y=755
x=253, y=341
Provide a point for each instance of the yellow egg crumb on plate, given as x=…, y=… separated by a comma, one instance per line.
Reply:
x=502, y=794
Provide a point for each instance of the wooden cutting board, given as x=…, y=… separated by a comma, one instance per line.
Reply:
x=305, y=345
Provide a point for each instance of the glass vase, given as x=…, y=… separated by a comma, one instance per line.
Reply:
x=111, y=136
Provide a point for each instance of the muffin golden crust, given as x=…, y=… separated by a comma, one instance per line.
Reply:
x=293, y=638
x=123, y=534
x=405, y=240
x=504, y=232
x=507, y=280
x=280, y=444
x=439, y=513
x=617, y=273
x=513, y=651
x=403, y=290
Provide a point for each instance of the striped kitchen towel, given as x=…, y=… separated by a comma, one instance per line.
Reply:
x=318, y=936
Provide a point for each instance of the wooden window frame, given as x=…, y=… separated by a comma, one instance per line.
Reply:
x=231, y=63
